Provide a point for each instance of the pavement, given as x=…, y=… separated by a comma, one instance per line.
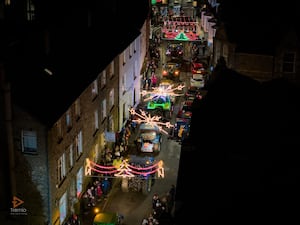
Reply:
x=87, y=217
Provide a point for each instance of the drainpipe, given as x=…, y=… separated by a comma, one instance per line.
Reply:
x=5, y=86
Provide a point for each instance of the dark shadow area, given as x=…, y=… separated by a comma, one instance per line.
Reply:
x=240, y=164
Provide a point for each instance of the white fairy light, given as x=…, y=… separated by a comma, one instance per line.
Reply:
x=169, y=90
x=154, y=121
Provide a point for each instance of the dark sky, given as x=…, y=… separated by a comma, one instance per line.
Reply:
x=259, y=12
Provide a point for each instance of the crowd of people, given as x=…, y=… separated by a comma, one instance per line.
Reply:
x=95, y=192
x=162, y=207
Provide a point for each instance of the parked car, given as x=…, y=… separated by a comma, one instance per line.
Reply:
x=197, y=81
x=197, y=68
x=186, y=110
x=192, y=92
x=181, y=128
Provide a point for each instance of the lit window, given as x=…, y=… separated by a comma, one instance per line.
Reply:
x=71, y=156
x=96, y=120
x=63, y=208
x=78, y=145
x=111, y=98
x=68, y=120
x=95, y=89
x=30, y=10
x=103, y=107
x=61, y=168
x=111, y=69
x=103, y=79
x=79, y=182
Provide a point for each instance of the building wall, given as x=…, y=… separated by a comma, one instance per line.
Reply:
x=93, y=140
x=129, y=79
x=261, y=67
x=258, y=67
x=39, y=172
x=289, y=44
x=31, y=170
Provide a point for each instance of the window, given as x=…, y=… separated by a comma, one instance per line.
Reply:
x=123, y=89
x=72, y=191
x=225, y=52
x=71, y=157
x=59, y=131
x=68, y=120
x=77, y=109
x=135, y=46
x=124, y=112
x=110, y=123
x=63, y=208
x=89, y=18
x=288, y=65
x=134, y=96
x=29, y=142
x=124, y=57
x=130, y=50
x=111, y=98
x=103, y=79
x=61, y=168
x=78, y=145
x=30, y=10
x=96, y=120
x=134, y=70
x=79, y=182
x=111, y=69
x=103, y=107
x=94, y=89
x=96, y=155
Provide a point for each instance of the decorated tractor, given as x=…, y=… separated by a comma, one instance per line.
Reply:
x=140, y=173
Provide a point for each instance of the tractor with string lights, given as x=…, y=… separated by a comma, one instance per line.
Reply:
x=144, y=176
x=139, y=171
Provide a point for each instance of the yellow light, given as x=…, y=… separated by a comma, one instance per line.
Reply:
x=96, y=210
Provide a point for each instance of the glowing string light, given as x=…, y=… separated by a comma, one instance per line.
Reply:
x=153, y=121
x=165, y=91
x=125, y=169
